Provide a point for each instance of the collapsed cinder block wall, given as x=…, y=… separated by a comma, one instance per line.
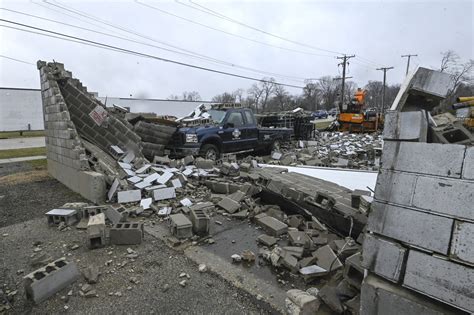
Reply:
x=67, y=108
x=418, y=246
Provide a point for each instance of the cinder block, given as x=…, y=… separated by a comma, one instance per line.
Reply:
x=96, y=231
x=405, y=126
x=383, y=257
x=355, y=197
x=126, y=233
x=353, y=270
x=380, y=297
x=468, y=166
x=200, y=220
x=90, y=211
x=46, y=281
x=180, y=226
x=441, y=279
x=305, y=302
x=56, y=216
x=425, y=158
x=395, y=187
x=428, y=231
x=454, y=198
x=461, y=244
x=273, y=226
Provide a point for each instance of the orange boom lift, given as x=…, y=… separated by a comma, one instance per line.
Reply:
x=356, y=118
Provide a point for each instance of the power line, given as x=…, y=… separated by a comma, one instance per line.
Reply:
x=229, y=33
x=74, y=17
x=17, y=60
x=133, y=52
x=296, y=79
x=222, y=16
x=206, y=10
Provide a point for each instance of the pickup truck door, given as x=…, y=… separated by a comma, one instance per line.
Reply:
x=233, y=139
x=250, y=130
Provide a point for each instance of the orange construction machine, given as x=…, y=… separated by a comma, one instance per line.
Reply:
x=356, y=118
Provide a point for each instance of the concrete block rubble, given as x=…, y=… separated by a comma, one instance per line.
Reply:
x=405, y=248
x=332, y=149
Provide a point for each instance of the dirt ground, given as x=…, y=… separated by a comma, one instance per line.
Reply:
x=146, y=284
x=27, y=192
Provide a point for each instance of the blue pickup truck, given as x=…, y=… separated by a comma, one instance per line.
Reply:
x=226, y=129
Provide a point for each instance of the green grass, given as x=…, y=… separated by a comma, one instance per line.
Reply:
x=39, y=164
x=14, y=153
x=25, y=134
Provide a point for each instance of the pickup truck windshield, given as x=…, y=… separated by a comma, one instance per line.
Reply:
x=217, y=115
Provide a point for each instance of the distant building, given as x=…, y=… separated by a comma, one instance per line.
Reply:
x=21, y=109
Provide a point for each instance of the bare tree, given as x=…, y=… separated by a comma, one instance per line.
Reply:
x=311, y=95
x=349, y=90
x=254, y=95
x=186, y=96
x=328, y=90
x=268, y=87
x=224, y=98
x=281, y=97
x=450, y=58
x=191, y=96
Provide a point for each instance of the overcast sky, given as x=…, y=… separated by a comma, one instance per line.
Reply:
x=377, y=32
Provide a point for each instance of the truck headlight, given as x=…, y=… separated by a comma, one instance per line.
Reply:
x=191, y=137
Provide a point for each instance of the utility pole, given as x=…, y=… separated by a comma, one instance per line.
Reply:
x=383, y=89
x=408, y=61
x=343, y=63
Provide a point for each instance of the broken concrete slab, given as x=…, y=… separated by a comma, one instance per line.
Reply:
x=116, y=214
x=327, y=259
x=267, y=240
x=299, y=238
x=164, y=193
x=229, y=204
x=146, y=203
x=273, y=226
x=129, y=196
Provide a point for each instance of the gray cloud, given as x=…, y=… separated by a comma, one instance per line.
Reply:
x=380, y=31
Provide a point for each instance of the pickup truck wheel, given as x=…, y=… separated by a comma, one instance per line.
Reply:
x=210, y=152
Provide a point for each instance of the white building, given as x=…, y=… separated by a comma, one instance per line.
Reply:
x=21, y=109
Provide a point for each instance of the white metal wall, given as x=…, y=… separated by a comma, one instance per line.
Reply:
x=20, y=107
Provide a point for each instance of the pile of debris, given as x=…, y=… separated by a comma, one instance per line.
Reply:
x=185, y=194
x=297, y=119
x=332, y=149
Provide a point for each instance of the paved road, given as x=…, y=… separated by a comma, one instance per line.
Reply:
x=21, y=143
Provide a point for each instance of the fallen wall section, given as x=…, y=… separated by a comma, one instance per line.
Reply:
x=72, y=114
